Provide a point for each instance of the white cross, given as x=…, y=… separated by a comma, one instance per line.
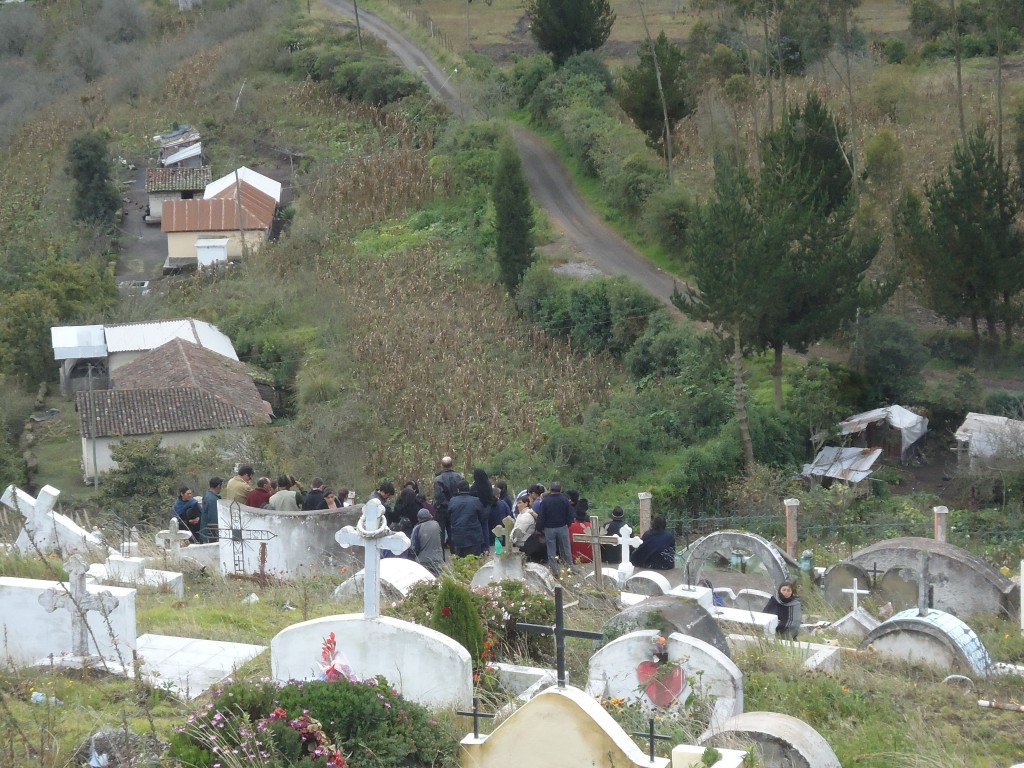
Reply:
x=504, y=531
x=372, y=532
x=856, y=593
x=625, y=542
x=171, y=539
x=75, y=596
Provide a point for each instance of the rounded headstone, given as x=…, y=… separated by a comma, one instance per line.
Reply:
x=899, y=587
x=839, y=577
x=669, y=614
x=780, y=739
x=647, y=583
x=536, y=578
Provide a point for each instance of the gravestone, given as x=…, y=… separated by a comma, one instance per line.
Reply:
x=171, y=539
x=751, y=599
x=615, y=672
x=899, y=587
x=837, y=578
x=537, y=578
x=372, y=533
x=704, y=553
x=781, y=739
x=46, y=530
x=398, y=575
x=626, y=541
x=669, y=614
x=75, y=598
x=647, y=583
x=133, y=572
x=188, y=667
x=936, y=638
x=858, y=623
x=557, y=727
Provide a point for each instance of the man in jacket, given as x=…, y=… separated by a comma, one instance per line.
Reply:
x=208, y=519
x=468, y=521
x=446, y=486
x=553, y=517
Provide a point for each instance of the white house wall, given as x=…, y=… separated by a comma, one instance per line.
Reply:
x=168, y=440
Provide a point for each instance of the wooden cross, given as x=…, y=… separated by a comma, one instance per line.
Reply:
x=372, y=532
x=856, y=593
x=651, y=737
x=560, y=632
x=595, y=539
x=240, y=535
x=504, y=532
x=75, y=597
x=476, y=714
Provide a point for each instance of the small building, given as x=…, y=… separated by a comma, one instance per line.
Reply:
x=245, y=175
x=847, y=465
x=166, y=184
x=985, y=440
x=240, y=214
x=179, y=390
x=186, y=157
x=894, y=429
x=174, y=142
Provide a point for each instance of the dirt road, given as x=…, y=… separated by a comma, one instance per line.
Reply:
x=591, y=239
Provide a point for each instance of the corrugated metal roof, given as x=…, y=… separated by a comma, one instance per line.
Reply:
x=178, y=179
x=220, y=214
x=193, y=150
x=987, y=435
x=264, y=184
x=137, y=337
x=72, y=342
x=849, y=464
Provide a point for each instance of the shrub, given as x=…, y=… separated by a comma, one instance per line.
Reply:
x=883, y=158
x=888, y=92
x=894, y=50
x=590, y=65
x=528, y=73
x=667, y=215
x=958, y=347
x=454, y=614
x=637, y=179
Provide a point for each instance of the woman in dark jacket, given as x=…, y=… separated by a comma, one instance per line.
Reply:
x=786, y=605
x=658, y=550
x=407, y=508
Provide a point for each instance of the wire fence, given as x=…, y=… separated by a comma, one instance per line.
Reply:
x=422, y=19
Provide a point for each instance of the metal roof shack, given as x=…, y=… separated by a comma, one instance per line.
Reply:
x=135, y=337
x=78, y=342
x=985, y=436
x=851, y=465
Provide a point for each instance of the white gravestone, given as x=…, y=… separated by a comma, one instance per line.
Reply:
x=76, y=599
x=46, y=530
x=171, y=540
x=398, y=575
x=372, y=533
x=626, y=540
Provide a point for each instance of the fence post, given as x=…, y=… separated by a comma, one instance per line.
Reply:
x=645, y=511
x=940, y=523
x=791, y=526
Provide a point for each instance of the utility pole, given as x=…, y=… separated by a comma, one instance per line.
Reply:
x=92, y=430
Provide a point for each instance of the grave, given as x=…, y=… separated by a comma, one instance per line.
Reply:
x=963, y=584
x=858, y=622
x=593, y=537
x=423, y=665
x=813, y=656
x=782, y=740
x=618, y=670
x=397, y=576
x=558, y=727
x=133, y=571
x=838, y=578
x=171, y=541
x=720, y=546
x=935, y=638
x=647, y=583
x=705, y=596
x=188, y=667
x=669, y=614
x=625, y=568
x=536, y=577
x=762, y=623
x=46, y=530
x=751, y=599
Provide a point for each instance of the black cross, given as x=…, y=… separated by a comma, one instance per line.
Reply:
x=874, y=575
x=560, y=633
x=652, y=737
x=476, y=714
x=240, y=535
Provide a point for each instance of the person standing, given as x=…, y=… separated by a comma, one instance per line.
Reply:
x=209, y=517
x=468, y=520
x=188, y=512
x=314, y=499
x=612, y=553
x=785, y=604
x=259, y=496
x=582, y=552
x=426, y=542
x=287, y=499
x=239, y=485
x=553, y=518
x=446, y=486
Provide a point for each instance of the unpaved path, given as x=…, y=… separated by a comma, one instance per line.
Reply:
x=591, y=239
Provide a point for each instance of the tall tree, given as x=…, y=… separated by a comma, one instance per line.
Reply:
x=966, y=249
x=638, y=91
x=88, y=162
x=513, y=214
x=563, y=28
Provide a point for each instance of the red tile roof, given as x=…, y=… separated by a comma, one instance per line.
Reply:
x=178, y=179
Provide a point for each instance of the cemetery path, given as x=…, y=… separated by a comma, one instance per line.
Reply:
x=588, y=237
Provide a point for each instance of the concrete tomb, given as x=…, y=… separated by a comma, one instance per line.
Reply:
x=171, y=540
x=780, y=739
x=837, y=580
x=668, y=614
x=647, y=583
x=935, y=638
x=46, y=530
x=187, y=666
x=626, y=668
x=751, y=599
x=398, y=575
x=962, y=584
x=720, y=546
x=133, y=571
x=536, y=577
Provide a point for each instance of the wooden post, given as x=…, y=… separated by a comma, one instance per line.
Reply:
x=645, y=511
x=792, y=532
x=940, y=523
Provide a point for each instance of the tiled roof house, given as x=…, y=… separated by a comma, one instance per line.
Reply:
x=166, y=184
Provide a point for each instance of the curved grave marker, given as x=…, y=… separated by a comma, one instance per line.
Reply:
x=669, y=614
x=935, y=638
x=720, y=544
x=781, y=740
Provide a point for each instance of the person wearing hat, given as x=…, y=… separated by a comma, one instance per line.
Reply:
x=612, y=553
x=427, y=543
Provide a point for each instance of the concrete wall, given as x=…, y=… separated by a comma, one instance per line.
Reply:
x=181, y=246
x=30, y=634
x=167, y=440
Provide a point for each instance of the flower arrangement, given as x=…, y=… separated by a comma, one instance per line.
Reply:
x=333, y=665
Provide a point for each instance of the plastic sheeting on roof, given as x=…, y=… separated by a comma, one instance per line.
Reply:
x=264, y=184
x=136, y=337
x=911, y=426
x=986, y=435
x=196, y=150
x=78, y=342
x=849, y=464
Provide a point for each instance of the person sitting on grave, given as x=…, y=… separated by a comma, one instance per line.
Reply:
x=658, y=550
x=525, y=535
x=427, y=542
x=259, y=496
x=785, y=604
x=239, y=485
x=612, y=553
x=469, y=522
x=287, y=498
x=314, y=499
x=188, y=511
x=582, y=552
x=209, y=516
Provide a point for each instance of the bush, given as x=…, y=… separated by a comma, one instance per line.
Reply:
x=667, y=216
x=590, y=65
x=889, y=353
x=638, y=178
x=527, y=74
x=883, y=158
x=889, y=92
x=455, y=614
x=957, y=347
x=894, y=50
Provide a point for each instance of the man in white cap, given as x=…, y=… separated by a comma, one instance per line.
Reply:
x=446, y=488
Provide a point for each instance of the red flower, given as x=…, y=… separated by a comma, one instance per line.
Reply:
x=446, y=611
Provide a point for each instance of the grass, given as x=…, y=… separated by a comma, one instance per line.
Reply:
x=58, y=448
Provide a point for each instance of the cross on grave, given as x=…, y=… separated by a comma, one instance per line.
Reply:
x=75, y=596
x=34, y=510
x=171, y=539
x=856, y=593
x=595, y=539
x=560, y=632
x=504, y=532
x=476, y=714
x=372, y=532
x=626, y=540
x=651, y=737
x=240, y=535
x=874, y=575
x=924, y=586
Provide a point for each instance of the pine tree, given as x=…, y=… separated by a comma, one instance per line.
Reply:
x=563, y=28
x=638, y=95
x=513, y=214
x=455, y=615
x=96, y=198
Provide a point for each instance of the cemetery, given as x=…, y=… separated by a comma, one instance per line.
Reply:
x=345, y=653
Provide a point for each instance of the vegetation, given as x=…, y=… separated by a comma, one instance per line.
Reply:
x=513, y=218
x=564, y=28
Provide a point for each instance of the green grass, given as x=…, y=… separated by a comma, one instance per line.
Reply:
x=59, y=451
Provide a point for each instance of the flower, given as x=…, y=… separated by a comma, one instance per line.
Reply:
x=446, y=611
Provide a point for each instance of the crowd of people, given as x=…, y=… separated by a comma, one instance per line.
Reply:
x=457, y=521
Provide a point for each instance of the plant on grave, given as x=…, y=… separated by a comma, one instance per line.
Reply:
x=456, y=614
x=710, y=756
x=506, y=604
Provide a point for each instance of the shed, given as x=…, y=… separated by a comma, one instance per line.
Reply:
x=851, y=465
x=186, y=157
x=869, y=427
x=81, y=350
x=986, y=437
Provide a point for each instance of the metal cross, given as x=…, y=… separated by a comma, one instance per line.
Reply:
x=651, y=737
x=874, y=575
x=856, y=593
x=595, y=539
x=924, y=586
x=240, y=535
x=560, y=632
x=504, y=532
x=372, y=532
x=476, y=714
x=75, y=596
